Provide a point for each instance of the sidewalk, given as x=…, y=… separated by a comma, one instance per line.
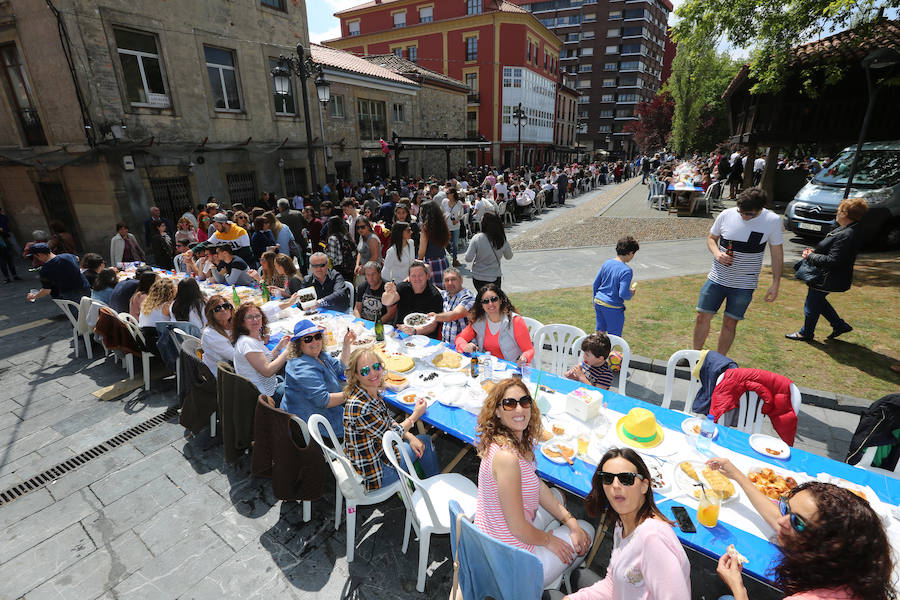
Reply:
x=161, y=516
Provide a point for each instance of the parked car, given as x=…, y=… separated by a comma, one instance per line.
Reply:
x=877, y=179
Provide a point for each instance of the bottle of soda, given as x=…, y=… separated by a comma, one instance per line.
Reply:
x=379, y=328
x=265, y=291
x=473, y=367
x=234, y=297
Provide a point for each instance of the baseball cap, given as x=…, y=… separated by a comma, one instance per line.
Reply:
x=220, y=218
x=39, y=248
x=304, y=328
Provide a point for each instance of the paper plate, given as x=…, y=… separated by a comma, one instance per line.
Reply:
x=772, y=447
x=687, y=485
x=556, y=459
x=688, y=425
x=410, y=320
x=417, y=341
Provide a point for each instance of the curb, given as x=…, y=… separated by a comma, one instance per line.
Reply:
x=613, y=203
x=827, y=400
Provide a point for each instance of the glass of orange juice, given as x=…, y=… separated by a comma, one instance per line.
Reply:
x=583, y=441
x=708, y=511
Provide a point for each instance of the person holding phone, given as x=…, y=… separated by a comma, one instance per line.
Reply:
x=647, y=562
x=514, y=505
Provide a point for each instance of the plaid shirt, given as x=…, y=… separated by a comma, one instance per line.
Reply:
x=451, y=329
x=365, y=421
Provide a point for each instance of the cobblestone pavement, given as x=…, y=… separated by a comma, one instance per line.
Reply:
x=162, y=516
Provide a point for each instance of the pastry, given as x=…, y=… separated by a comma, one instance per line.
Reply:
x=688, y=469
x=719, y=483
x=448, y=360
x=732, y=551
x=558, y=430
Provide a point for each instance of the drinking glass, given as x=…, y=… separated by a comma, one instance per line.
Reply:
x=708, y=511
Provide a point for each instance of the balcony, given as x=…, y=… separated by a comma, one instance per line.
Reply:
x=31, y=127
x=472, y=134
x=473, y=98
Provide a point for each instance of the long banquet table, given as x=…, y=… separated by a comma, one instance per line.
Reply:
x=738, y=522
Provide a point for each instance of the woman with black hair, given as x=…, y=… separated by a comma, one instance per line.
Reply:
x=833, y=545
x=433, y=238
x=400, y=254
x=486, y=249
x=90, y=265
x=104, y=284
x=340, y=248
x=145, y=282
x=647, y=562
x=495, y=327
x=189, y=303
x=161, y=246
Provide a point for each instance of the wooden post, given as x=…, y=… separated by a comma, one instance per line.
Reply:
x=768, y=179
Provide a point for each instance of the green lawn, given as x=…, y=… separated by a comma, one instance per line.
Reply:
x=660, y=319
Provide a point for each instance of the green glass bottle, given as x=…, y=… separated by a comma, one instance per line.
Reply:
x=265, y=291
x=379, y=328
x=234, y=297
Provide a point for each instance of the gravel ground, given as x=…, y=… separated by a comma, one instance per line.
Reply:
x=580, y=226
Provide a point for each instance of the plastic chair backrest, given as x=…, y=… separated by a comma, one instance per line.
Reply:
x=351, y=291
x=133, y=327
x=66, y=306
x=84, y=308
x=94, y=313
x=190, y=345
x=393, y=446
x=183, y=336
x=561, y=339
x=533, y=325
x=348, y=479
x=750, y=415
x=618, y=342
x=692, y=356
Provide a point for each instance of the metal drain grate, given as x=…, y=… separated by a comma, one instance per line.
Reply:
x=57, y=471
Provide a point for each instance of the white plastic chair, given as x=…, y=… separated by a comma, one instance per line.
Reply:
x=618, y=342
x=135, y=329
x=692, y=356
x=348, y=483
x=427, y=501
x=865, y=462
x=351, y=292
x=533, y=325
x=78, y=329
x=658, y=194
x=750, y=415
x=561, y=354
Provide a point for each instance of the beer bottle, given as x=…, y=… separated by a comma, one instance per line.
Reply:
x=379, y=328
x=234, y=297
x=265, y=291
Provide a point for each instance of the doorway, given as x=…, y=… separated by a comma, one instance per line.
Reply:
x=374, y=168
x=57, y=210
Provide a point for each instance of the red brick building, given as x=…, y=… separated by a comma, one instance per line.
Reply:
x=503, y=54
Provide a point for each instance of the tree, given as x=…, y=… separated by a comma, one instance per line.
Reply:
x=651, y=131
x=699, y=77
x=772, y=28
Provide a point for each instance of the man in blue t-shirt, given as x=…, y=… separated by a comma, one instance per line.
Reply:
x=61, y=278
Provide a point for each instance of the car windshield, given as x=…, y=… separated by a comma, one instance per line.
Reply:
x=876, y=168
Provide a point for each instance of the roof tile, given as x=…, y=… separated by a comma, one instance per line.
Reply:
x=345, y=61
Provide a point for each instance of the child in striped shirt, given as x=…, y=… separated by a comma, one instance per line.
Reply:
x=594, y=369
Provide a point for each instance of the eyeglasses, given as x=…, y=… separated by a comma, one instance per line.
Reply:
x=221, y=307
x=253, y=317
x=626, y=478
x=798, y=523
x=308, y=339
x=366, y=370
x=318, y=266
x=509, y=404
x=490, y=300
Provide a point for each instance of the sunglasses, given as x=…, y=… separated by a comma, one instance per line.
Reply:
x=510, y=403
x=308, y=339
x=490, y=300
x=626, y=478
x=221, y=307
x=318, y=266
x=366, y=370
x=798, y=523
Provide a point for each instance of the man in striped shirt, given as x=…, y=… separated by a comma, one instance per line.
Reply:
x=458, y=301
x=737, y=241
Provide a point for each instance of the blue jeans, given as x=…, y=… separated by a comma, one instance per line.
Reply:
x=428, y=461
x=610, y=320
x=816, y=305
x=454, y=242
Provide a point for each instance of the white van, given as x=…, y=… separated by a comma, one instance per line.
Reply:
x=877, y=179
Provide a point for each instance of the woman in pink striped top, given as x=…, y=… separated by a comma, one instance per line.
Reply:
x=513, y=503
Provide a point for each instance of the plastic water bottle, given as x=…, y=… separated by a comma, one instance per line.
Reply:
x=707, y=432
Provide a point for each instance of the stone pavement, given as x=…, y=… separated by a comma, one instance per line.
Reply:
x=161, y=516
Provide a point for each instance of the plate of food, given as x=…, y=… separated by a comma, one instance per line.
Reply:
x=557, y=451
x=416, y=341
x=417, y=319
x=307, y=297
x=448, y=360
x=771, y=482
x=691, y=426
x=772, y=447
x=660, y=480
x=395, y=381
x=394, y=361
x=689, y=473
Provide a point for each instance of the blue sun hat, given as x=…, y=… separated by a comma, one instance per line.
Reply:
x=305, y=328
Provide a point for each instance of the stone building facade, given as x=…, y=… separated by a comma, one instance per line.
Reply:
x=109, y=107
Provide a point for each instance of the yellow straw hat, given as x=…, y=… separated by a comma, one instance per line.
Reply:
x=639, y=429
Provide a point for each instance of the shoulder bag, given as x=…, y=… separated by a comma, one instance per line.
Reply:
x=809, y=274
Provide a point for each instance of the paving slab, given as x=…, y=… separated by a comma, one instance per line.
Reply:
x=133, y=509
x=131, y=477
x=93, y=471
x=171, y=525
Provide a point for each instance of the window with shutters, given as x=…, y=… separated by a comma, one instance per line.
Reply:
x=242, y=187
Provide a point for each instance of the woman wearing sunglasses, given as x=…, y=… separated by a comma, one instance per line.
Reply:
x=647, y=562
x=369, y=245
x=313, y=378
x=514, y=506
x=833, y=545
x=495, y=327
x=216, y=337
x=366, y=418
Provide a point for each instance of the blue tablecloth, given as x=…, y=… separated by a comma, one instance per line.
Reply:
x=688, y=188
x=710, y=541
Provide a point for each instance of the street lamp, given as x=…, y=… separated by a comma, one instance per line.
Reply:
x=881, y=58
x=303, y=67
x=519, y=118
x=323, y=89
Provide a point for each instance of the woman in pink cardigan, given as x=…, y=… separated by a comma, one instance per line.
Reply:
x=495, y=327
x=648, y=562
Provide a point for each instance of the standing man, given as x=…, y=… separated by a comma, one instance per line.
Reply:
x=150, y=224
x=123, y=247
x=61, y=278
x=562, y=185
x=645, y=168
x=294, y=221
x=458, y=301
x=737, y=241
x=758, y=165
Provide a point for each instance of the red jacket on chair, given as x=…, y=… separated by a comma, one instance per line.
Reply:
x=773, y=389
